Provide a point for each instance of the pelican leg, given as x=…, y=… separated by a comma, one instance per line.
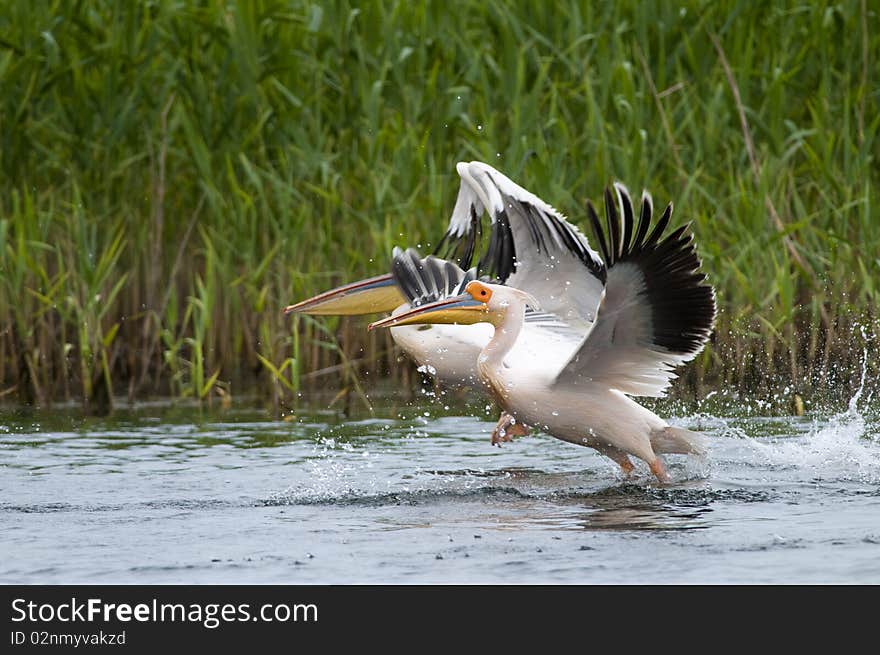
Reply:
x=507, y=429
x=625, y=465
x=658, y=468
x=618, y=456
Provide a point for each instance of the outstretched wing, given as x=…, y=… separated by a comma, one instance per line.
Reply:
x=531, y=246
x=657, y=311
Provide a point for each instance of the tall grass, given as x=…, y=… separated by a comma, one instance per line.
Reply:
x=172, y=174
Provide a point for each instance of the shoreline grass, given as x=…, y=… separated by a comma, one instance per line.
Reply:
x=173, y=174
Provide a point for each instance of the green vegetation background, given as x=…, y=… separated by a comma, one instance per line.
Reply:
x=172, y=174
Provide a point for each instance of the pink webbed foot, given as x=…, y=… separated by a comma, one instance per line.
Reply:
x=507, y=429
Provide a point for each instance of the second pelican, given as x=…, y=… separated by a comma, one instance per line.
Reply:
x=529, y=246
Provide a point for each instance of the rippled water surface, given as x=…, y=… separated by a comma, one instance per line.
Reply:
x=158, y=497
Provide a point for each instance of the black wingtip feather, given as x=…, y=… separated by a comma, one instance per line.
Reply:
x=597, y=230
x=682, y=303
x=613, y=228
x=660, y=227
x=628, y=220
x=461, y=248
x=428, y=279
x=644, y=220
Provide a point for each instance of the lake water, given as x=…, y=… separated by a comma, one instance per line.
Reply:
x=161, y=496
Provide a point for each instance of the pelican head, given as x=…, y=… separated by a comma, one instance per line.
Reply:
x=481, y=302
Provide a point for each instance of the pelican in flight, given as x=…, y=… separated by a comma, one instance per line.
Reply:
x=623, y=322
x=523, y=251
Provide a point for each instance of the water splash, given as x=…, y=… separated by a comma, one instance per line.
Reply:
x=846, y=447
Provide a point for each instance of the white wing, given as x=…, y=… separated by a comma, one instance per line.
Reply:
x=657, y=311
x=531, y=245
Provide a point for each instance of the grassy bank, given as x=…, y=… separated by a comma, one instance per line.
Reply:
x=172, y=174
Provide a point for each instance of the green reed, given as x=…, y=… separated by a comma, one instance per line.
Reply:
x=173, y=174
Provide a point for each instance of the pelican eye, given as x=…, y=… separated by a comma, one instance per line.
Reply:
x=479, y=292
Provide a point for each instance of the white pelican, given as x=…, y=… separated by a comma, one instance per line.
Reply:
x=647, y=308
x=530, y=246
